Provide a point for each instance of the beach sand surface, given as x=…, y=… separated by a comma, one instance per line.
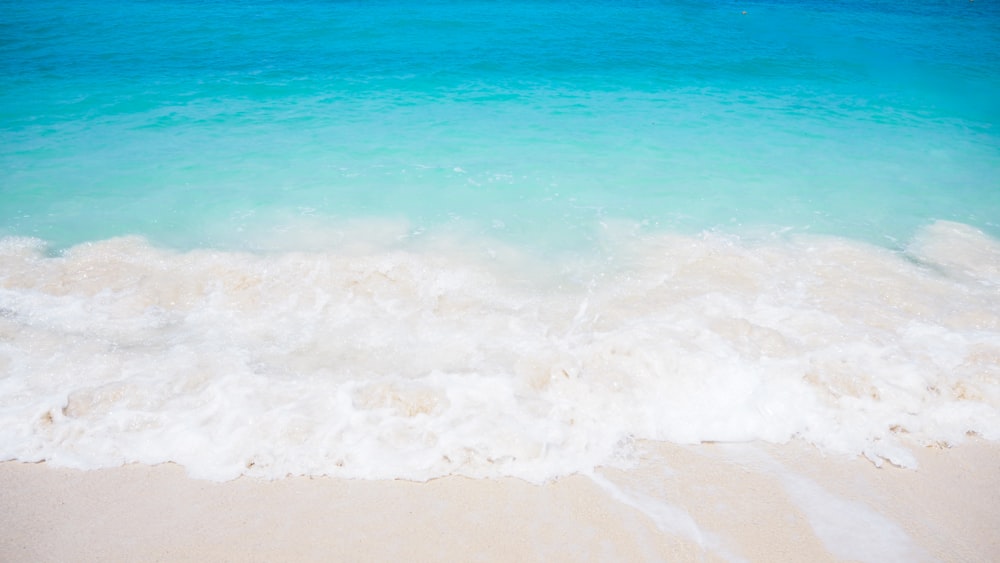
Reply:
x=709, y=502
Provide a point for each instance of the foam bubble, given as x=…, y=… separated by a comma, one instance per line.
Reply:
x=421, y=360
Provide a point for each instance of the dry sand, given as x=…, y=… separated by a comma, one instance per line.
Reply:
x=752, y=502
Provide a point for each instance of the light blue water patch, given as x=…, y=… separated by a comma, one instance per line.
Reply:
x=195, y=122
x=371, y=154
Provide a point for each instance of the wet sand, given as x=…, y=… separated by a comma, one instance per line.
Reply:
x=725, y=502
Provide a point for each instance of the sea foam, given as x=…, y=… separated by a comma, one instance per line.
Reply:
x=421, y=360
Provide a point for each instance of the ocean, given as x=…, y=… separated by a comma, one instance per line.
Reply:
x=397, y=239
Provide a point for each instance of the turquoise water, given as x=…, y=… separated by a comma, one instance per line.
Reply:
x=199, y=123
x=394, y=239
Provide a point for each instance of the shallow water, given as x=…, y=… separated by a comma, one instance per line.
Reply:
x=396, y=240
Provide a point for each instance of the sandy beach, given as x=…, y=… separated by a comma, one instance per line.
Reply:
x=725, y=502
x=469, y=280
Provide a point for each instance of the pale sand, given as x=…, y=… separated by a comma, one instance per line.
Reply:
x=751, y=502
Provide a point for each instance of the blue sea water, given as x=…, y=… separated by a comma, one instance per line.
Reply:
x=409, y=239
x=192, y=122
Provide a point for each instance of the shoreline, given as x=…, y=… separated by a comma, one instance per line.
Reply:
x=709, y=502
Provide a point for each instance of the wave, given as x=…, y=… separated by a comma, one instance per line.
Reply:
x=381, y=361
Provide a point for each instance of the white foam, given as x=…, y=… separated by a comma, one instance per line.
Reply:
x=396, y=359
